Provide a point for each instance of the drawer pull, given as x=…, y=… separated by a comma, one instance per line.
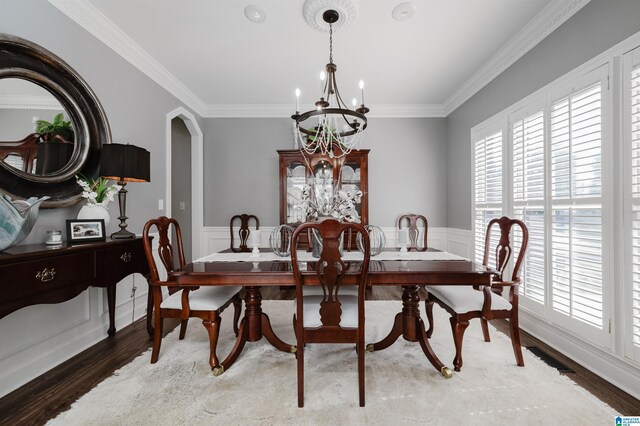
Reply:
x=126, y=257
x=46, y=274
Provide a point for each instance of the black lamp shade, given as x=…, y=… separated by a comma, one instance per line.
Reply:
x=53, y=156
x=125, y=163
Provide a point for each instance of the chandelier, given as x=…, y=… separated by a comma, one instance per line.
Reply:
x=331, y=128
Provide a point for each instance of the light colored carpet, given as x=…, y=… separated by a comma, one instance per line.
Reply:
x=401, y=385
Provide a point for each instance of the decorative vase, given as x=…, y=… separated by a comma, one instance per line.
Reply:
x=17, y=218
x=377, y=240
x=280, y=240
x=94, y=211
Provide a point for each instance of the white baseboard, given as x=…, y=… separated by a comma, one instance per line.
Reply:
x=622, y=372
x=61, y=331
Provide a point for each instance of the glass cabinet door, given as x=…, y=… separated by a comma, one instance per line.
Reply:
x=351, y=180
x=296, y=179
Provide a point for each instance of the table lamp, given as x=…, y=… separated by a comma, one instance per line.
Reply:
x=124, y=163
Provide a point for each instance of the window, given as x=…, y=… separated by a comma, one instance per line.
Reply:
x=576, y=223
x=552, y=164
x=631, y=152
x=487, y=189
x=528, y=198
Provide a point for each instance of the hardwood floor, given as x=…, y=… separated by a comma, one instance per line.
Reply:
x=54, y=392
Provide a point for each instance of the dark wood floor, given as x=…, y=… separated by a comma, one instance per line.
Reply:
x=55, y=391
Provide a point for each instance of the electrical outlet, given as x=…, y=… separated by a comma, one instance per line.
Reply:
x=160, y=204
x=182, y=206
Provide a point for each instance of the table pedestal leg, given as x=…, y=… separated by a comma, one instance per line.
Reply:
x=409, y=325
x=253, y=327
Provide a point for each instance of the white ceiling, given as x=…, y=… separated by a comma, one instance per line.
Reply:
x=209, y=55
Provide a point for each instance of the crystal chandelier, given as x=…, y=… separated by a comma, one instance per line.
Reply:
x=338, y=129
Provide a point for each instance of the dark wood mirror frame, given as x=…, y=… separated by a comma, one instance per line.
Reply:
x=20, y=58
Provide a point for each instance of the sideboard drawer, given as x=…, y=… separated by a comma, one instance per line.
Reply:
x=24, y=279
x=117, y=262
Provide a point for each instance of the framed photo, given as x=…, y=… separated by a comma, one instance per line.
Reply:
x=85, y=230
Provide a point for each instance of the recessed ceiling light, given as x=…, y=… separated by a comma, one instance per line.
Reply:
x=403, y=11
x=254, y=13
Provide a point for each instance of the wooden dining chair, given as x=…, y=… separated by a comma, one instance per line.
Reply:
x=330, y=317
x=412, y=220
x=205, y=303
x=243, y=232
x=465, y=303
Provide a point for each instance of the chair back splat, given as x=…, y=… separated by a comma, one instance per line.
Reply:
x=412, y=221
x=328, y=310
x=243, y=232
x=504, y=248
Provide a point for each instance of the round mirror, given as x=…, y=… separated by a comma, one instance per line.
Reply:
x=35, y=134
x=52, y=126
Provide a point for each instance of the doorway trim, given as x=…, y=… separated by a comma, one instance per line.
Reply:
x=197, y=174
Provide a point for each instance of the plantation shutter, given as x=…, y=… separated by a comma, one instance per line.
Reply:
x=487, y=189
x=528, y=199
x=576, y=207
x=632, y=199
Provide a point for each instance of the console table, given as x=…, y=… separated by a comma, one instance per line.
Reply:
x=35, y=274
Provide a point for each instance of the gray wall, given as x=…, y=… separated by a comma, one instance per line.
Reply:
x=135, y=106
x=406, y=168
x=181, y=181
x=15, y=124
x=596, y=27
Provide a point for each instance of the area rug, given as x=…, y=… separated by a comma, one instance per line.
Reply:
x=401, y=386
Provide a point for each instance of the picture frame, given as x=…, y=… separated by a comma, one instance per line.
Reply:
x=85, y=230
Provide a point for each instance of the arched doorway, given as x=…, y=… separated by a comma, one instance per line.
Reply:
x=193, y=203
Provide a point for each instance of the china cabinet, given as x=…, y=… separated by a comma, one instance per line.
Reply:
x=348, y=172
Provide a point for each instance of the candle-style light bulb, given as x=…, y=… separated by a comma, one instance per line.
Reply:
x=354, y=102
x=297, y=100
x=361, y=84
x=323, y=75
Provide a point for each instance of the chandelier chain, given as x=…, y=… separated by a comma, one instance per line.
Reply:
x=330, y=43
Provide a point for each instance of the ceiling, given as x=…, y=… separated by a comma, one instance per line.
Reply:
x=213, y=58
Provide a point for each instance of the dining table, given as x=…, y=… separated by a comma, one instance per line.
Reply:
x=408, y=270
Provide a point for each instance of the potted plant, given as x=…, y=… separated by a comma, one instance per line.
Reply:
x=48, y=130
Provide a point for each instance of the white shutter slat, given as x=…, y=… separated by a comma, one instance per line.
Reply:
x=635, y=207
x=576, y=232
x=487, y=187
x=528, y=189
x=577, y=264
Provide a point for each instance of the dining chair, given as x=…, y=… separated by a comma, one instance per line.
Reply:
x=243, y=232
x=206, y=303
x=464, y=303
x=329, y=317
x=412, y=220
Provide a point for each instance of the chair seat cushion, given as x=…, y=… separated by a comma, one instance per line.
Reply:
x=206, y=298
x=463, y=299
x=311, y=311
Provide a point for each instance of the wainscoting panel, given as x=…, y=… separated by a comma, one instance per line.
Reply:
x=39, y=326
x=37, y=338
x=216, y=238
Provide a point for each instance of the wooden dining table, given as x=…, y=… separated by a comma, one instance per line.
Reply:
x=409, y=274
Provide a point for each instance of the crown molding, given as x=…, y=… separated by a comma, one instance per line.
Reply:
x=93, y=21
x=286, y=110
x=28, y=102
x=544, y=23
